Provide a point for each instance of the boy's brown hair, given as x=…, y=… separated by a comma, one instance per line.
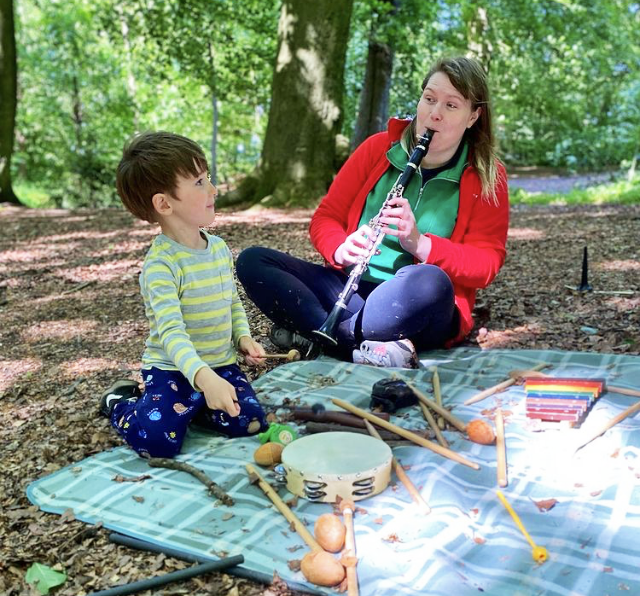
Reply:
x=151, y=163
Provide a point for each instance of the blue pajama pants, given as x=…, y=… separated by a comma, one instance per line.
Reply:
x=155, y=425
x=417, y=303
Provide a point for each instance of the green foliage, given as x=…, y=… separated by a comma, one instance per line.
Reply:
x=565, y=76
x=623, y=192
x=44, y=577
x=32, y=196
x=92, y=73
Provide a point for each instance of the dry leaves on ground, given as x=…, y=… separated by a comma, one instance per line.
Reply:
x=71, y=322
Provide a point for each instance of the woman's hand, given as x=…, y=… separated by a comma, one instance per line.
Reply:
x=252, y=351
x=218, y=393
x=356, y=245
x=400, y=215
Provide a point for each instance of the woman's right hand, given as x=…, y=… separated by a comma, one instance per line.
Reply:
x=218, y=393
x=356, y=245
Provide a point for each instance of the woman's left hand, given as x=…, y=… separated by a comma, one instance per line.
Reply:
x=400, y=215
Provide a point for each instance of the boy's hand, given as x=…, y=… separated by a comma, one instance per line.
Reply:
x=252, y=351
x=218, y=393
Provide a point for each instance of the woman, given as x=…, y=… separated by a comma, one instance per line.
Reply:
x=445, y=238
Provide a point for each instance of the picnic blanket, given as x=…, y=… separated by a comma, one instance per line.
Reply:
x=467, y=544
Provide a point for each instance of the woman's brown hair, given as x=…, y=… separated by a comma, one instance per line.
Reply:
x=469, y=78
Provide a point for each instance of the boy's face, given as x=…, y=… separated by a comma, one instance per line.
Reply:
x=197, y=198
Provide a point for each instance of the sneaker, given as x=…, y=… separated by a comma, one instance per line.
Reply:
x=122, y=390
x=400, y=353
x=287, y=340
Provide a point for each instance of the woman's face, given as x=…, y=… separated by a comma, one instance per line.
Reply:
x=442, y=108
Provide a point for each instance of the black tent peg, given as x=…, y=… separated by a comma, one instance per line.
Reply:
x=584, y=282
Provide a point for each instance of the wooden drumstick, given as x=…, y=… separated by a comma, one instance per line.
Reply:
x=290, y=356
x=500, y=386
x=407, y=434
x=402, y=475
x=623, y=390
x=431, y=421
x=605, y=427
x=448, y=416
x=501, y=449
x=437, y=394
x=347, y=507
x=284, y=509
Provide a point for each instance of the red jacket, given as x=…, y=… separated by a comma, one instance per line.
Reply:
x=472, y=256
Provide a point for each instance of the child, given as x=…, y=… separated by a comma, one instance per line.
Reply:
x=196, y=319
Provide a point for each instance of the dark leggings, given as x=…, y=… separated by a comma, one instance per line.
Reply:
x=417, y=303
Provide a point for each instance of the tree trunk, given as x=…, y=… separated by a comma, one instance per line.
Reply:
x=297, y=163
x=132, y=87
x=214, y=139
x=8, y=99
x=478, y=34
x=213, y=166
x=373, y=108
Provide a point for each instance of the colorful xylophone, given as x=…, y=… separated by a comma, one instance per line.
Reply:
x=561, y=399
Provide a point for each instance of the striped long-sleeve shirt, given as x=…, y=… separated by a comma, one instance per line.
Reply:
x=191, y=301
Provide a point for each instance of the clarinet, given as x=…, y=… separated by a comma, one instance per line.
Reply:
x=327, y=331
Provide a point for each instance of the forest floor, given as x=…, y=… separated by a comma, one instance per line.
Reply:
x=71, y=322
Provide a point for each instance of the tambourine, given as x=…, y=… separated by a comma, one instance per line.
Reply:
x=323, y=466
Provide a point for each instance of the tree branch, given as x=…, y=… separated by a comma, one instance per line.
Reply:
x=171, y=464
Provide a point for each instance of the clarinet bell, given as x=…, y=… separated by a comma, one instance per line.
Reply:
x=327, y=332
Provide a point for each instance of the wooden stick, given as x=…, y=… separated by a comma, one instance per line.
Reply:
x=282, y=507
x=402, y=475
x=82, y=286
x=605, y=427
x=290, y=356
x=172, y=464
x=461, y=426
x=499, y=387
x=437, y=394
x=501, y=449
x=431, y=421
x=347, y=508
x=407, y=434
x=327, y=427
x=622, y=390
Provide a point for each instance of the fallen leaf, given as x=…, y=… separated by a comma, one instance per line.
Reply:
x=44, y=577
x=546, y=504
x=392, y=538
x=293, y=549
